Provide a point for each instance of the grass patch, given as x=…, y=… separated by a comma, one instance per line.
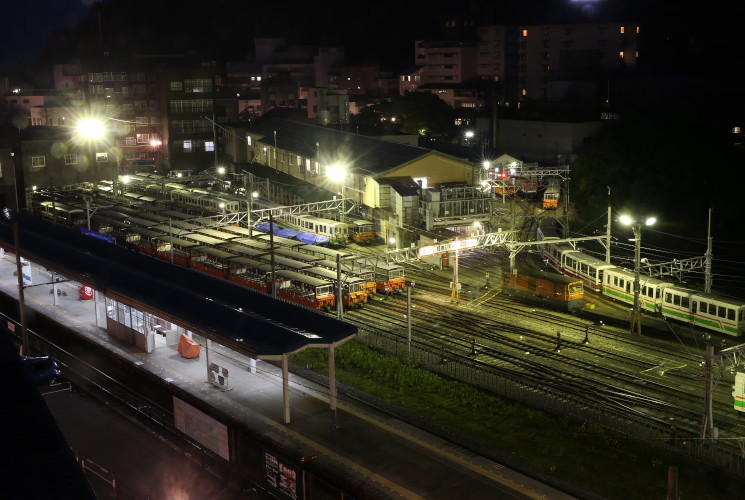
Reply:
x=581, y=454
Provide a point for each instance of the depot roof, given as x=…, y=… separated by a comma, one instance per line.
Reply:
x=245, y=320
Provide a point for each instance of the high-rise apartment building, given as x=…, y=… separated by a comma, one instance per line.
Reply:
x=532, y=62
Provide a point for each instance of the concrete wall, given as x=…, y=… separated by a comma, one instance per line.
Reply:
x=544, y=141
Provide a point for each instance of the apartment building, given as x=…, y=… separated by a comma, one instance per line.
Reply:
x=58, y=156
x=549, y=54
x=187, y=97
x=447, y=61
x=532, y=62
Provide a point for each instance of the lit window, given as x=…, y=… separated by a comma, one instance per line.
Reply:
x=187, y=146
x=637, y=30
x=71, y=159
x=102, y=156
x=177, y=86
x=143, y=138
x=525, y=32
x=621, y=54
x=209, y=146
x=38, y=161
x=249, y=140
x=623, y=30
x=524, y=92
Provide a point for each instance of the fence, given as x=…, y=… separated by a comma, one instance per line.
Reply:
x=726, y=454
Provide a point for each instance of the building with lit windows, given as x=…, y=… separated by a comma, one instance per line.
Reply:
x=60, y=156
x=532, y=62
x=187, y=95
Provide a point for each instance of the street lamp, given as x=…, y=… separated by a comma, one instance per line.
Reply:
x=338, y=173
x=92, y=132
x=486, y=164
x=636, y=227
x=91, y=128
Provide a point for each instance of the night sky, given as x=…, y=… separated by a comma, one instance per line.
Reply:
x=376, y=31
x=27, y=25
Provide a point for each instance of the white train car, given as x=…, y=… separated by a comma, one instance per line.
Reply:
x=589, y=269
x=710, y=311
x=619, y=284
x=738, y=392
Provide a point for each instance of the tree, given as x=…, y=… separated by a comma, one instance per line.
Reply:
x=412, y=113
x=676, y=164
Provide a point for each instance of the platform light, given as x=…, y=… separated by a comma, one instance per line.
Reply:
x=636, y=226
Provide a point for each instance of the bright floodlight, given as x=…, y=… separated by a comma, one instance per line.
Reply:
x=469, y=134
x=90, y=128
x=336, y=172
x=255, y=195
x=650, y=221
x=625, y=219
x=486, y=164
x=221, y=170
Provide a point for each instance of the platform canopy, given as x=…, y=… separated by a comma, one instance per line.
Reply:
x=245, y=320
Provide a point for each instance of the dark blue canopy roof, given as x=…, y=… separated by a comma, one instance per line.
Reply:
x=234, y=315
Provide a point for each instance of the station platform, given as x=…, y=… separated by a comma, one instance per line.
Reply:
x=385, y=456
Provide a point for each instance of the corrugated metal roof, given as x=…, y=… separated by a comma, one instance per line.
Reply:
x=241, y=318
x=363, y=154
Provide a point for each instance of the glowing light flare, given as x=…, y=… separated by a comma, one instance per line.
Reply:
x=91, y=128
x=627, y=220
x=336, y=173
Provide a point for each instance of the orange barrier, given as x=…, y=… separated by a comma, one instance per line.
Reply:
x=187, y=347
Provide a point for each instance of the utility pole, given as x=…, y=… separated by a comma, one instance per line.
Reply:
x=455, y=296
x=707, y=425
x=709, y=255
x=21, y=303
x=339, y=290
x=408, y=316
x=636, y=325
x=608, y=231
x=271, y=254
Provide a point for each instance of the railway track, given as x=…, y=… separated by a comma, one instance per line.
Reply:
x=635, y=375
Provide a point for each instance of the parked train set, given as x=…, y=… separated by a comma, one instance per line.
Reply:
x=217, y=202
x=303, y=273
x=710, y=311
